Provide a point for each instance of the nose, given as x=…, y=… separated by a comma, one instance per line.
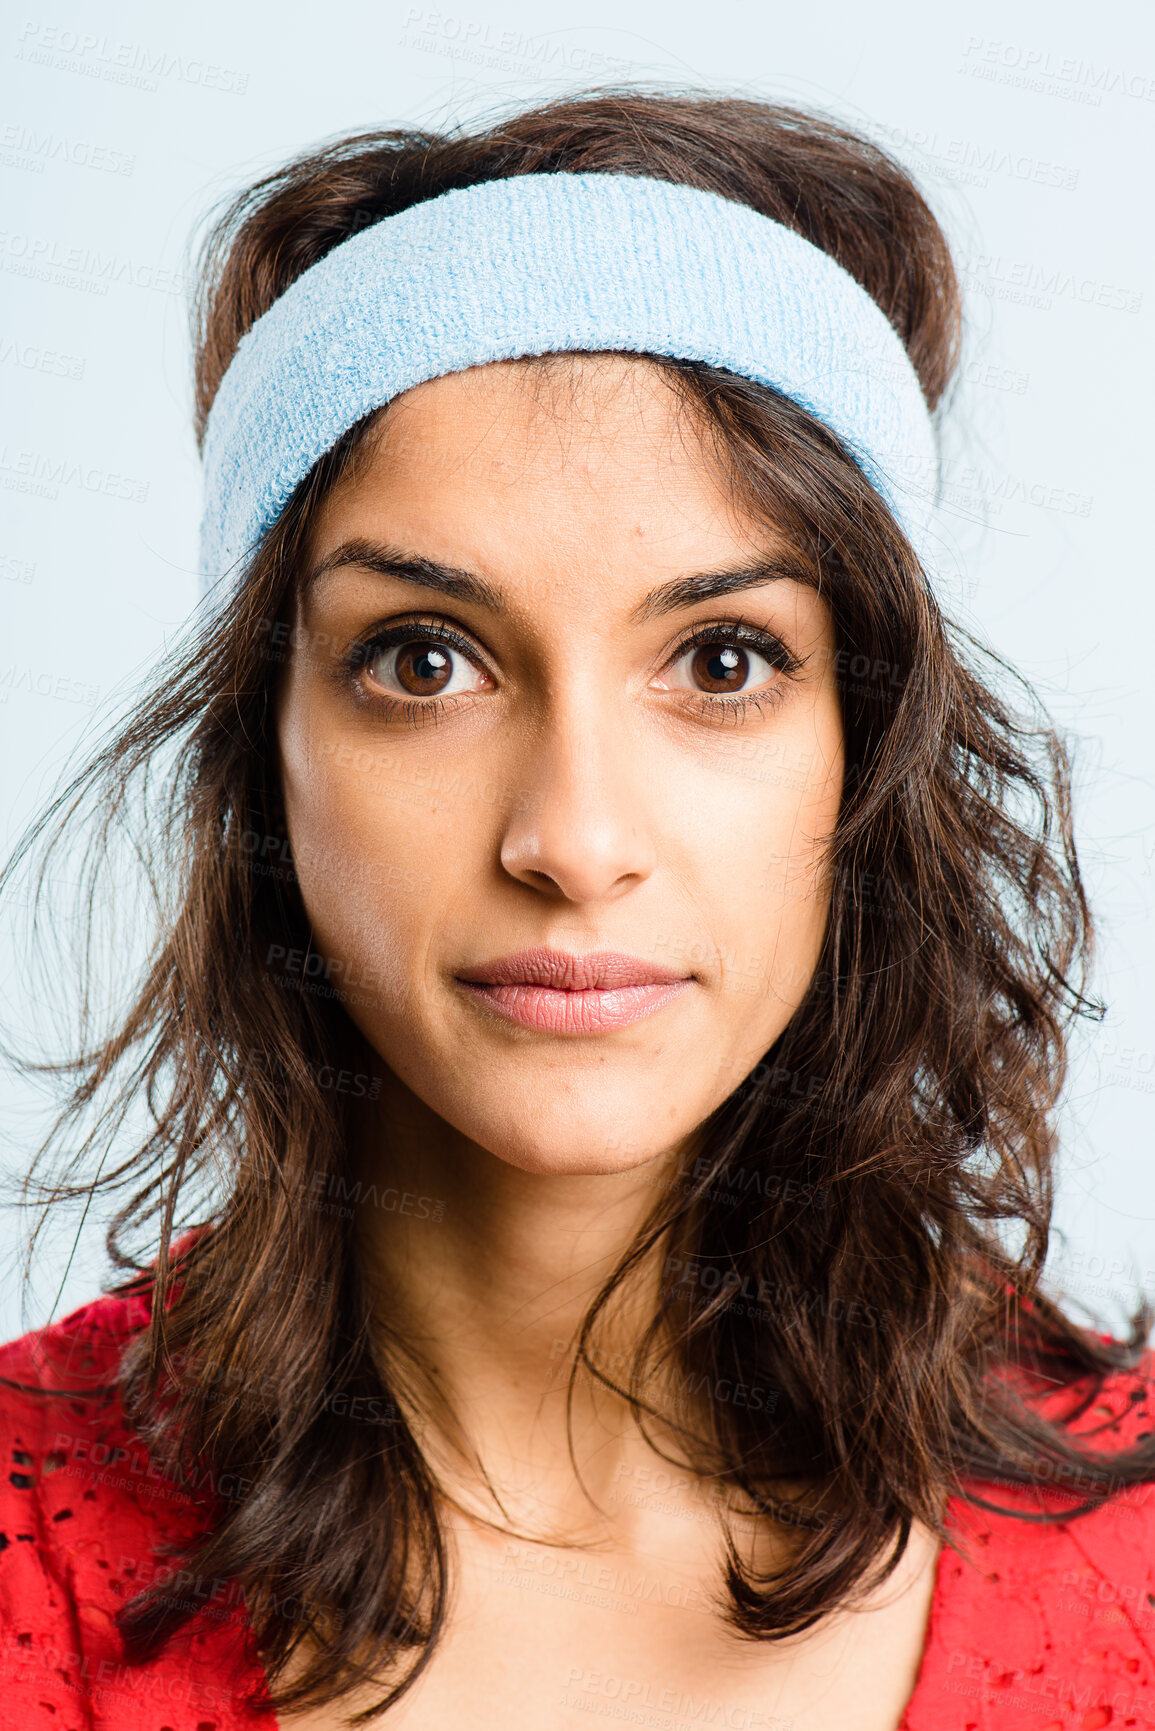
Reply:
x=580, y=831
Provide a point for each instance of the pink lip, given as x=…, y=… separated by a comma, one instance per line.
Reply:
x=560, y=993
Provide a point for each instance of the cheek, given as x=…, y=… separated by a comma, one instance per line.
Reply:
x=366, y=845
x=768, y=868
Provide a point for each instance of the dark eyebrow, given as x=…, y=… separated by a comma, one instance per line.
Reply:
x=462, y=585
x=390, y=561
x=706, y=585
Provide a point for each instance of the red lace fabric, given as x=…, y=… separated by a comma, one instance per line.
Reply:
x=1050, y=1627
x=1047, y=1627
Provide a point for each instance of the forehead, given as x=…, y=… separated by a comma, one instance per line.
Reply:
x=545, y=407
x=592, y=464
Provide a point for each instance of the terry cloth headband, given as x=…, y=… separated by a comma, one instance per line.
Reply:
x=542, y=263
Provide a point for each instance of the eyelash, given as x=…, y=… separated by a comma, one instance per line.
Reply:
x=417, y=712
x=771, y=648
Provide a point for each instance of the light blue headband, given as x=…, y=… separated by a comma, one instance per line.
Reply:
x=540, y=263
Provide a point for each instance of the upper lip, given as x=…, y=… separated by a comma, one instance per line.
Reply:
x=600, y=970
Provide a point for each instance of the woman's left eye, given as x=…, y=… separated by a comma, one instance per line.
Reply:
x=422, y=667
x=724, y=667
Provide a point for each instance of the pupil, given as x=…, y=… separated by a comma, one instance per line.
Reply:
x=423, y=668
x=721, y=667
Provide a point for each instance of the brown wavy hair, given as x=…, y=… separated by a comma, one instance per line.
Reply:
x=862, y=1228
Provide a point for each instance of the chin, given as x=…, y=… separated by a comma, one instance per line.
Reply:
x=555, y=1137
x=577, y=1159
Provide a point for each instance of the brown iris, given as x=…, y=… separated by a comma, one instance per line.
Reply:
x=721, y=667
x=423, y=668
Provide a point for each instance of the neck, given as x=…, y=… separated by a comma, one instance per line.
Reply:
x=480, y=1275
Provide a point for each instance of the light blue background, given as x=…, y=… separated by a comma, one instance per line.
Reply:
x=1030, y=126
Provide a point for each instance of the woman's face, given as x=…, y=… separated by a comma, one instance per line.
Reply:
x=561, y=754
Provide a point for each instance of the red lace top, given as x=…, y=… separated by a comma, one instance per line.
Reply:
x=1050, y=1626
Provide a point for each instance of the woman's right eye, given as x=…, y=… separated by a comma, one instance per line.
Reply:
x=423, y=667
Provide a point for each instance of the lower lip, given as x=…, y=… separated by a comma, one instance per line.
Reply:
x=587, y=1012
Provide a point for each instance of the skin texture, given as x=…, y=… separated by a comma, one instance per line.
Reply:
x=578, y=790
x=634, y=820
